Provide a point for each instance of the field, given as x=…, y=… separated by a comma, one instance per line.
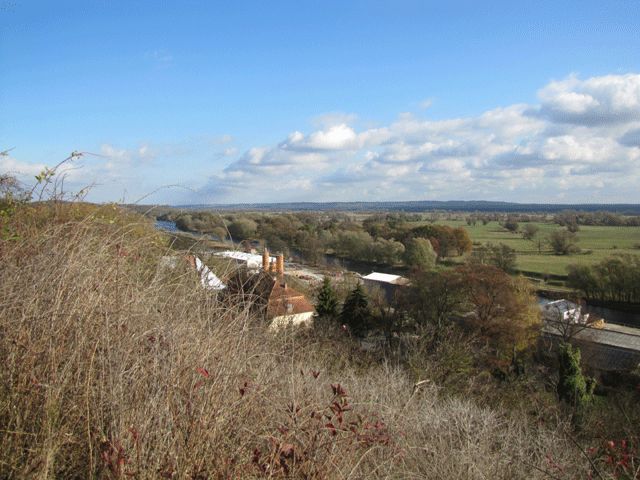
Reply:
x=596, y=243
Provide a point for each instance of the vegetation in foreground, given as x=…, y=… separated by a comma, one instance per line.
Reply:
x=113, y=369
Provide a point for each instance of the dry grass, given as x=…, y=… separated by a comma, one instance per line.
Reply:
x=111, y=371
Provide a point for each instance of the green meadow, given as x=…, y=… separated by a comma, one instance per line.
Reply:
x=595, y=242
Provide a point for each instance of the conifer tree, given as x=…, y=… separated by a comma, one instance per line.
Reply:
x=327, y=304
x=355, y=311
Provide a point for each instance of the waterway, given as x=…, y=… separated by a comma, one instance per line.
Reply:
x=167, y=226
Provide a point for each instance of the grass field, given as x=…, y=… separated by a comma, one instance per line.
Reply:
x=595, y=242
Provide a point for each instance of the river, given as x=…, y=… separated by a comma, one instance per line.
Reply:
x=167, y=226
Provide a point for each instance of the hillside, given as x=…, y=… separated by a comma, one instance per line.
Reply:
x=114, y=371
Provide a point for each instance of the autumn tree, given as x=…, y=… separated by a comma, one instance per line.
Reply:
x=504, y=310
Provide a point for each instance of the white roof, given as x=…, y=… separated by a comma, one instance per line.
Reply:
x=560, y=306
x=208, y=279
x=386, y=278
x=245, y=257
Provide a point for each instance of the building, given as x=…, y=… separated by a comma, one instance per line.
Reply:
x=208, y=279
x=269, y=295
x=387, y=283
x=564, y=311
x=249, y=260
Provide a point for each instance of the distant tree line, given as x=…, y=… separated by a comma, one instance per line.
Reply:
x=569, y=218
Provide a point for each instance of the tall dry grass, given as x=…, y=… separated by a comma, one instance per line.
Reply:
x=110, y=370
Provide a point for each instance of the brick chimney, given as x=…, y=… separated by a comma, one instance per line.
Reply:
x=265, y=260
x=280, y=264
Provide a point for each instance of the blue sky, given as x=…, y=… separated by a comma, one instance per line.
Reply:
x=280, y=101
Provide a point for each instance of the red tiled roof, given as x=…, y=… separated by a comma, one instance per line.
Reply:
x=279, y=298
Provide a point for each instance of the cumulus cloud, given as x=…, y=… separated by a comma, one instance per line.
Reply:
x=606, y=100
x=22, y=170
x=579, y=143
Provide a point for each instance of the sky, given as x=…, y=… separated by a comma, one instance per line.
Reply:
x=185, y=102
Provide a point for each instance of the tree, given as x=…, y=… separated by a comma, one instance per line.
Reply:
x=387, y=251
x=503, y=308
x=501, y=256
x=434, y=297
x=419, y=253
x=355, y=311
x=463, y=243
x=511, y=224
x=573, y=227
x=529, y=231
x=242, y=229
x=614, y=279
x=327, y=304
x=563, y=242
x=573, y=387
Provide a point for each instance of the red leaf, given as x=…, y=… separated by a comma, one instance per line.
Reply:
x=203, y=372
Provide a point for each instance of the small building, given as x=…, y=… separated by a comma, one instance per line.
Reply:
x=564, y=311
x=385, y=282
x=269, y=295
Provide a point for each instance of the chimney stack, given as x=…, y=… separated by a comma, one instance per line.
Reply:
x=265, y=260
x=280, y=264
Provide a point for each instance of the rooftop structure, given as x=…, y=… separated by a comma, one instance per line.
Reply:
x=611, y=347
x=269, y=293
x=386, y=278
x=385, y=282
x=250, y=260
x=564, y=310
x=208, y=279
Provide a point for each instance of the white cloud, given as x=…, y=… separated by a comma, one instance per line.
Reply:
x=606, y=100
x=580, y=142
x=24, y=171
x=335, y=137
